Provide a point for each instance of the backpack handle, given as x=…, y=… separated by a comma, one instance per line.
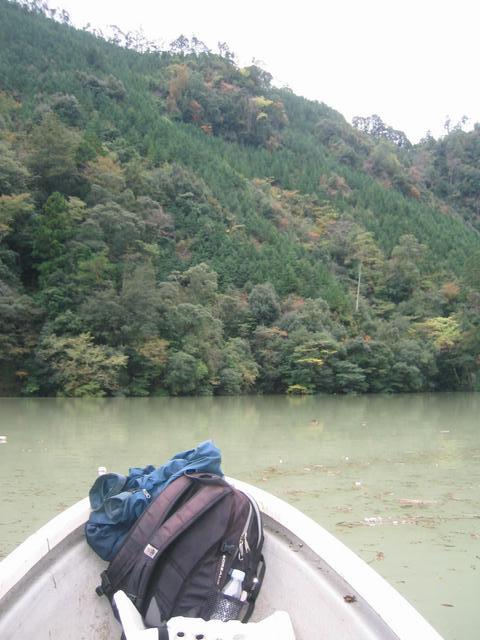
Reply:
x=207, y=478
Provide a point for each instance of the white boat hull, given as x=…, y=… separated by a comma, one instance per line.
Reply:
x=47, y=585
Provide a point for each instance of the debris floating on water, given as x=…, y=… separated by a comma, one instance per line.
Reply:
x=378, y=557
x=3, y=439
x=423, y=521
x=413, y=502
x=102, y=471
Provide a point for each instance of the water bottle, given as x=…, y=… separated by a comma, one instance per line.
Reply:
x=229, y=602
x=233, y=587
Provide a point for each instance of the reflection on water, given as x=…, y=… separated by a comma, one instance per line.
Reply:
x=396, y=478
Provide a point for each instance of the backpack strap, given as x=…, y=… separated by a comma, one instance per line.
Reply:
x=206, y=539
x=258, y=580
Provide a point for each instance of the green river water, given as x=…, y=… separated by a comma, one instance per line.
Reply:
x=396, y=478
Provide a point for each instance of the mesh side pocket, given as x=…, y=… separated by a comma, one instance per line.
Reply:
x=223, y=607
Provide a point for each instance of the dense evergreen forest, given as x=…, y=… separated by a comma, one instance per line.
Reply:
x=171, y=223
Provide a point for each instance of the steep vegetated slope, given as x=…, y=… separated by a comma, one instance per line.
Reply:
x=172, y=223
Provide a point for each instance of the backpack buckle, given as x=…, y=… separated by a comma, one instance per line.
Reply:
x=229, y=549
x=135, y=599
x=106, y=587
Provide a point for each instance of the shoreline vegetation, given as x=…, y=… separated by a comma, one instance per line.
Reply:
x=173, y=224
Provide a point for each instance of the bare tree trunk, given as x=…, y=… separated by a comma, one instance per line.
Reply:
x=358, y=286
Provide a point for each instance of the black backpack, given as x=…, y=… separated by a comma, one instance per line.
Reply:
x=178, y=556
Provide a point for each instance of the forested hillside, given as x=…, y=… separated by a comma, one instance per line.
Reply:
x=171, y=223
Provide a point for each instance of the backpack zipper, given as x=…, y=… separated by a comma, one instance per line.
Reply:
x=243, y=546
x=243, y=538
x=258, y=518
x=221, y=569
x=243, y=543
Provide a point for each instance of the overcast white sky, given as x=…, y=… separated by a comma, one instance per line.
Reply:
x=411, y=61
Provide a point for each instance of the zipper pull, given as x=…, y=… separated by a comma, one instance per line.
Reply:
x=243, y=546
x=240, y=547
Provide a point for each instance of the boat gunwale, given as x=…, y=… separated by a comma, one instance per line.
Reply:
x=394, y=610
x=398, y=614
